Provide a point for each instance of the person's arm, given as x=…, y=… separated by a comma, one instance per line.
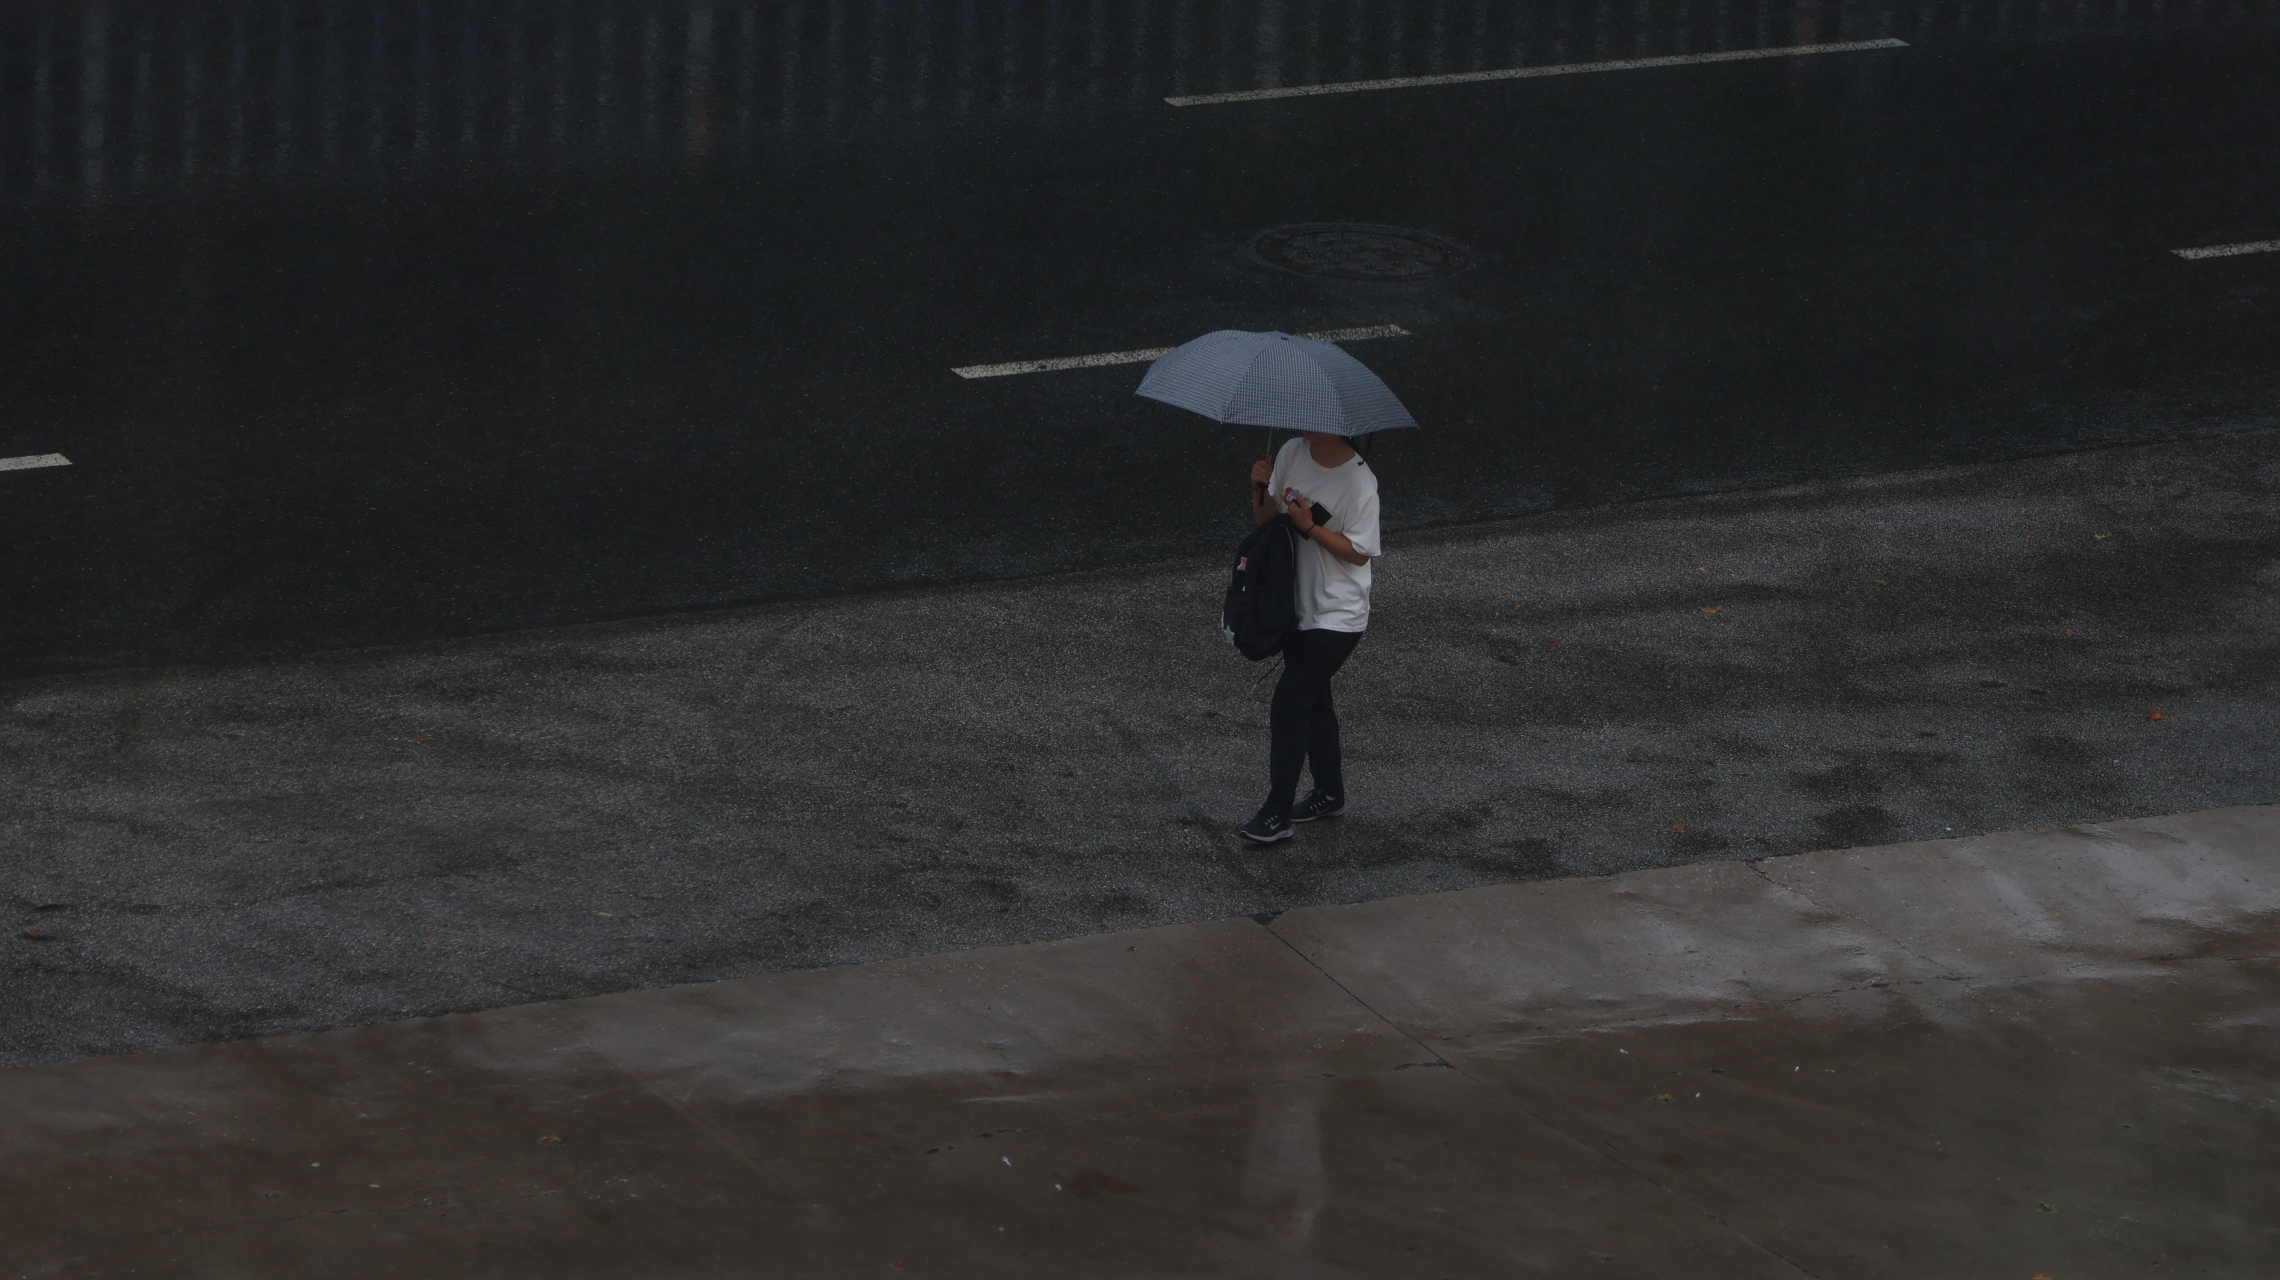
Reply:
x=1334, y=543
x=1263, y=505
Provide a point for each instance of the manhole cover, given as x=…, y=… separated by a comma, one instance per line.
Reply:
x=1360, y=251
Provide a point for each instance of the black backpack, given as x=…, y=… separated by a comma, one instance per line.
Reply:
x=1262, y=594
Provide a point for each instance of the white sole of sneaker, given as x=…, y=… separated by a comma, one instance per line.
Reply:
x=1284, y=834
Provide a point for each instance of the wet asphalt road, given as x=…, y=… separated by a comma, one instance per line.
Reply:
x=387, y=321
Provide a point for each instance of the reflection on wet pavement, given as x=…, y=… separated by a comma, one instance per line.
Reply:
x=2043, y=1053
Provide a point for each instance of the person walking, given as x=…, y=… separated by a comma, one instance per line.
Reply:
x=1309, y=385
x=1331, y=497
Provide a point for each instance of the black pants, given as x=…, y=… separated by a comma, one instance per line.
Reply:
x=1305, y=722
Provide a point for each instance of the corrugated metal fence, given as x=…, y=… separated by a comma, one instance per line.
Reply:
x=104, y=98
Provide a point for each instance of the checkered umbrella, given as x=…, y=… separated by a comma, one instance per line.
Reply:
x=1275, y=380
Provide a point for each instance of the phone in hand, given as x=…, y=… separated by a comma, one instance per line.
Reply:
x=1292, y=497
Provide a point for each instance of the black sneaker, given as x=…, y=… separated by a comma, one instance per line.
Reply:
x=1267, y=828
x=1317, y=805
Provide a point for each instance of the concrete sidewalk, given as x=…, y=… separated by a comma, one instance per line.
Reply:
x=203, y=854
x=2054, y=1054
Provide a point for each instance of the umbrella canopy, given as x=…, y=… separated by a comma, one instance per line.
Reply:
x=1275, y=380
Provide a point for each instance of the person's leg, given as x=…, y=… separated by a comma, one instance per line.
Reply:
x=1322, y=759
x=1305, y=679
x=1322, y=756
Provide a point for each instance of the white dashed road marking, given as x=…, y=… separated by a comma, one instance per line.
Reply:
x=1153, y=353
x=1531, y=73
x=30, y=461
x=2230, y=250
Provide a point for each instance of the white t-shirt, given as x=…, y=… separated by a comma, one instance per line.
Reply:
x=1332, y=594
